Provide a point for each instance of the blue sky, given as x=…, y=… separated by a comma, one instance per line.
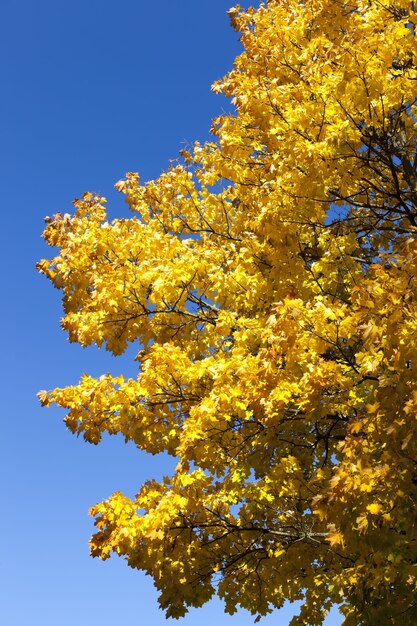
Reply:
x=91, y=90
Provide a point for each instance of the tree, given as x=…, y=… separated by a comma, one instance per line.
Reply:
x=269, y=277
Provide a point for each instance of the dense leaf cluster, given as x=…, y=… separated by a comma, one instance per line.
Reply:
x=270, y=280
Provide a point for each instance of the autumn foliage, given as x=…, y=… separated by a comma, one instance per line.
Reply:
x=270, y=280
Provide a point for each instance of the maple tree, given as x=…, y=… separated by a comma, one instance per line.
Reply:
x=269, y=278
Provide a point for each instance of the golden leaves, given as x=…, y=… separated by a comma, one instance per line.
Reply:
x=375, y=508
x=269, y=279
x=44, y=398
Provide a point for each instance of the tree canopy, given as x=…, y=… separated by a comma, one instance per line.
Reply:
x=269, y=280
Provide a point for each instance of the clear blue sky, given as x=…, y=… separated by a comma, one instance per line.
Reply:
x=91, y=90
